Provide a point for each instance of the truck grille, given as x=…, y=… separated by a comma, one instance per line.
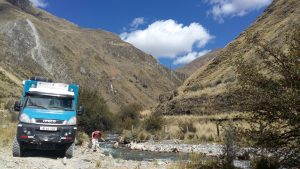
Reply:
x=47, y=136
x=47, y=121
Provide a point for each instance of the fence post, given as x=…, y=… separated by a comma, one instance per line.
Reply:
x=132, y=130
x=187, y=128
x=218, y=125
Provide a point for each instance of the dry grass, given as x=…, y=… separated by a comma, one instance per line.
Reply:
x=205, y=132
x=7, y=129
x=206, y=127
x=209, y=91
x=7, y=134
x=197, y=161
x=195, y=118
x=145, y=113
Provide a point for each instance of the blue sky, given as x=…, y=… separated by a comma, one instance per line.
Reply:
x=173, y=31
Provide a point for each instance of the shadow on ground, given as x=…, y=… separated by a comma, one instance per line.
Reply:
x=54, y=154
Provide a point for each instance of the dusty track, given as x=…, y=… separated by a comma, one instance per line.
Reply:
x=82, y=160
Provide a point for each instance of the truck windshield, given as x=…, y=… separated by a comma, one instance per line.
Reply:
x=50, y=102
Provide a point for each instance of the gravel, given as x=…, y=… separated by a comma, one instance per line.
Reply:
x=82, y=160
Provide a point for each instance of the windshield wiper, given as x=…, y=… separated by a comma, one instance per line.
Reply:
x=68, y=109
x=38, y=106
x=56, y=107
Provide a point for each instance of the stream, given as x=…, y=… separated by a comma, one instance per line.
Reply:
x=127, y=154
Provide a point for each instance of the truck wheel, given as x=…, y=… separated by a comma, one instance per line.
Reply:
x=70, y=150
x=16, y=148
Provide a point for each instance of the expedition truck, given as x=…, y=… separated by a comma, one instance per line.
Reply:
x=47, y=116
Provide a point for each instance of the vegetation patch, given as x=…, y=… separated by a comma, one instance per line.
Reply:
x=97, y=114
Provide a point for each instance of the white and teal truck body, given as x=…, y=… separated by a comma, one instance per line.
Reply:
x=47, y=116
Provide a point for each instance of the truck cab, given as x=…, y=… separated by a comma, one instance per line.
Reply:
x=47, y=116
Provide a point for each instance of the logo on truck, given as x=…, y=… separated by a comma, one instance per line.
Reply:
x=49, y=121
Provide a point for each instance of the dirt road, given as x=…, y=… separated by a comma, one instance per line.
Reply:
x=82, y=160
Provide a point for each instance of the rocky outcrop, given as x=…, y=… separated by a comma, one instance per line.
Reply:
x=25, y=5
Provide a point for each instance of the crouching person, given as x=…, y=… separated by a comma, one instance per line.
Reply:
x=96, y=135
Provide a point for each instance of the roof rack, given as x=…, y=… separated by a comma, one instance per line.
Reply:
x=41, y=79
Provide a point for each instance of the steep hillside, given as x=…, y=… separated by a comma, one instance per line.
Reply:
x=34, y=42
x=190, y=68
x=203, y=92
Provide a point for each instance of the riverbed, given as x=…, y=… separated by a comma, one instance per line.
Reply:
x=162, y=151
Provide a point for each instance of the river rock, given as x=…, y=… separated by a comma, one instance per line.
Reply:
x=116, y=145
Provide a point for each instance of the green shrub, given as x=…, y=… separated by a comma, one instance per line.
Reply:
x=265, y=163
x=230, y=147
x=129, y=115
x=97, y=114
x=154, y=122
x=268, y=87
x=200, y=161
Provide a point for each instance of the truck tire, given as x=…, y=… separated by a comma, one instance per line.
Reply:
x=16, y=148
x=69, y=151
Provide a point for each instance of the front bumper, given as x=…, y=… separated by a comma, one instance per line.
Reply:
x=34, y=136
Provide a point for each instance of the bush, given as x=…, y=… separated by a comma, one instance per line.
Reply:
x=143, y=136
x=81, y=137
x=269, y=88
x=9, y=104
x=14, y=116
x=194, y=87
x=97, y=114
x=230, y=148
x=129, y=115
x=200, y=161
x=265, y=163
x=154, y=122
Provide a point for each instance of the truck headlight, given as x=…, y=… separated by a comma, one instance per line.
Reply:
x=72, y=121
x=24, y=118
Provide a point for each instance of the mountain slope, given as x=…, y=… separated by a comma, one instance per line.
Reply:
x=34, y=42
x=190, y=68
x=204, y=91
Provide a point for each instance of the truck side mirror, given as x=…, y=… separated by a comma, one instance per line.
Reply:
x=17, y=106
x=80, y=111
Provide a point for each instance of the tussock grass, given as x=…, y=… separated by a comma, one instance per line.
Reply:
x=7, y=134
x=7, y=129
x=205, y=127
x=203, y=117
x=201, y=128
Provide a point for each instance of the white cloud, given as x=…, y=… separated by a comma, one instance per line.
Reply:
x=137, y=22
x=166, y=38
x=231, y=8
x=39, y=3
x=190, y=57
